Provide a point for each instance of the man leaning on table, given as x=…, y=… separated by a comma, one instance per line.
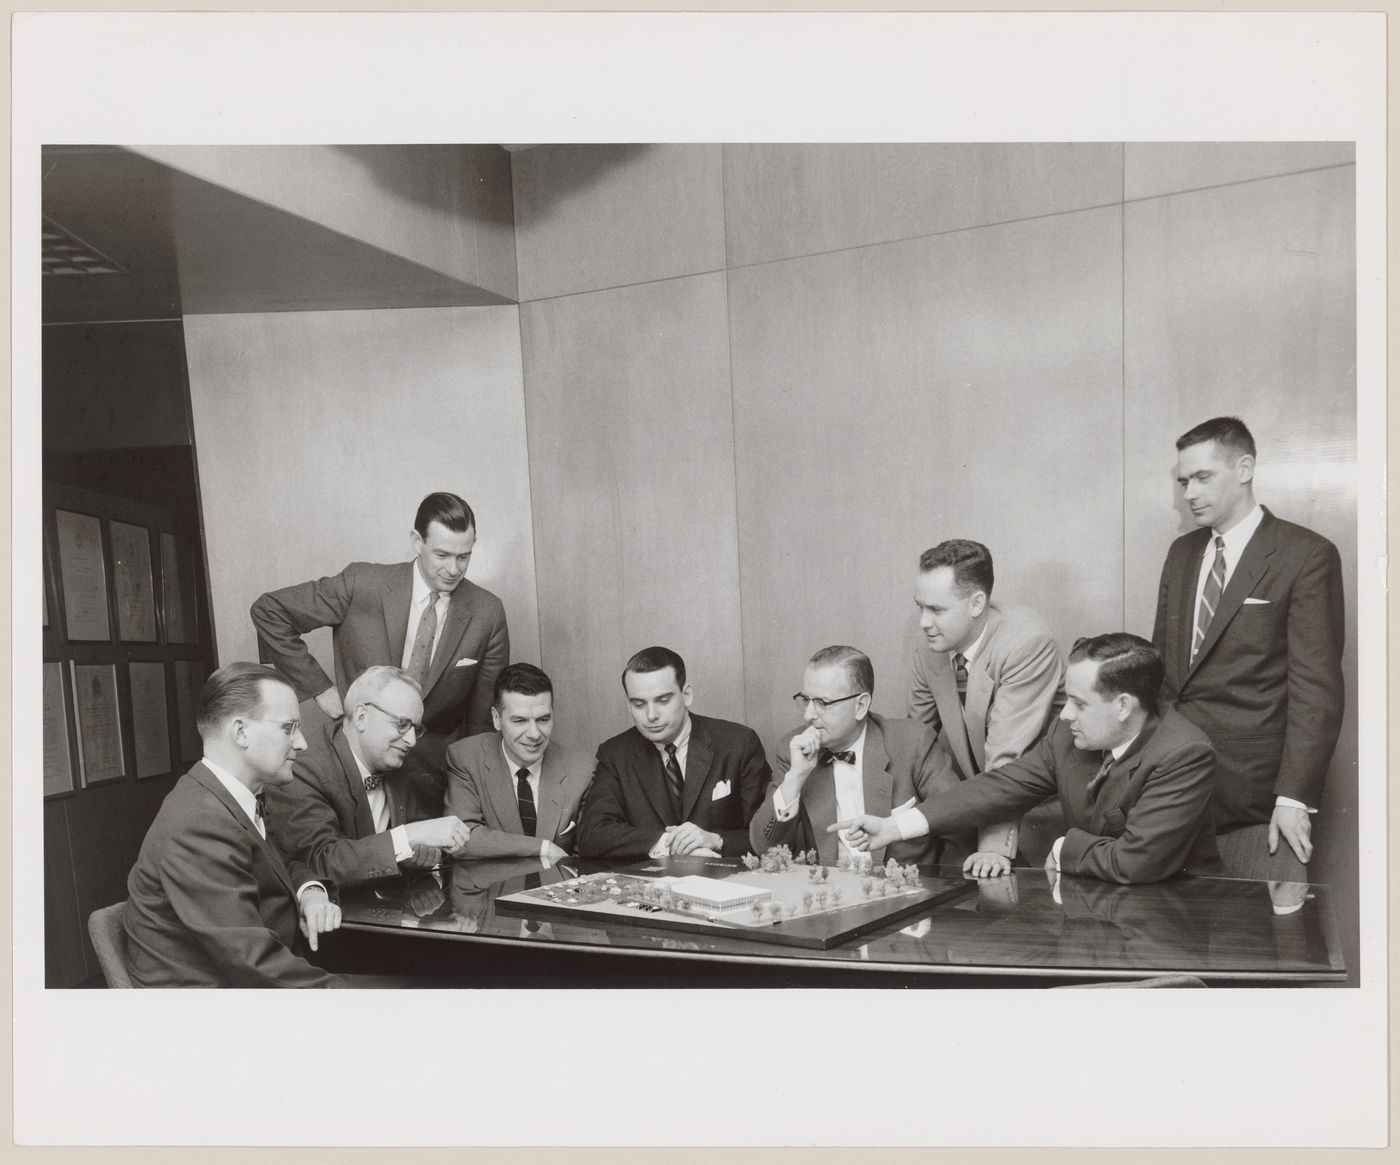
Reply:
x=1134, y=777
x=516, y=790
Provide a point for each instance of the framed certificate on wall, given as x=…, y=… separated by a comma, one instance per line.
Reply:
x=189, y=678
x=58, y=760
x=150, y=720
x=131, y=574
x=83, y=573
x=177, y=589
x=99, y=722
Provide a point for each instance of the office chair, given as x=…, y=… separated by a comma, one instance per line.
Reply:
x=109, y=941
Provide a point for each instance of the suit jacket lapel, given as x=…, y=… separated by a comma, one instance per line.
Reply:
x=648, y=773
x=980, y=690
x=950, y=711
x=355, y=786
x=876, y=786
x=398, y=597
x=500, y=785
x=698, y=755
x=215, y=786
x=819, y=807
x=1190, y=568
x=1252, y=566
x=459, y=614
x=551, y=797
x=1120, y=777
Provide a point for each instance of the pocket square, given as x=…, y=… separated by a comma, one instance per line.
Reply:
x=1256, y=602
x=566, y=828
x=464, y=662
x=721, y=791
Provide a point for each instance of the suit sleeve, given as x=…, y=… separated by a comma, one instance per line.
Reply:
x=210, y=884
x=765, y=830
x=1025, y=694
x=310, y=833
x=1316, y=692
x=993, y=796
x=464, y=800
x=605, y=830
x=1161, y=828
x=282, y=617
x=754, y=775
x=496, y=656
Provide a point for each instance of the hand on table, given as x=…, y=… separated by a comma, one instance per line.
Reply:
x=1295, y=826
x=319, y=914
x=688, y=837
x=987, y=864
x=423, y=857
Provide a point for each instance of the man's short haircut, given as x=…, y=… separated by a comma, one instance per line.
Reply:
x=655, y=659
x=370, y=683
x=446, y=508
x=1127, y=664
x=859, y=670
x=524, y=679
x=970, y=562
x=234, y=690
x=1227, y=432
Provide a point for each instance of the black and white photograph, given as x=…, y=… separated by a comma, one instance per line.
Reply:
x=640, y=576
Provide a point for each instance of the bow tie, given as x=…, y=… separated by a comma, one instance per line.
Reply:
x=372, y=782
x=826, y=756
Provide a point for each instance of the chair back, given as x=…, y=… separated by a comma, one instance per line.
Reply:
x=109, y=941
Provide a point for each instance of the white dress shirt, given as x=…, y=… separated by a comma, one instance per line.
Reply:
x=1236, y=539
x=682, y=743
x=533, y=780
x=248, y=802
x=417, y=606
x=850, y=790
x=379, y=810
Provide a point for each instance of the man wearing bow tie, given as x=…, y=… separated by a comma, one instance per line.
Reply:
x=1134, y=778
x=350, y=812
x=423, y=616
x=517, y=792
x=846, y=761
x=676, y=784
x=210, y=902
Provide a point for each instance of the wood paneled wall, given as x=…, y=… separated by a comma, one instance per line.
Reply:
x=999, y=342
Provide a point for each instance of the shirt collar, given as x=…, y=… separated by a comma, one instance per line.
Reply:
x=970, y=652
x=240, y=792
x=1239, y=536
x=1122, y=749
x=857, y=746
x=681, y=741
x=359, y=764
x=513, y=768
x=421, y=590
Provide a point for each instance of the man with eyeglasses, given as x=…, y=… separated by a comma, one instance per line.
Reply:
x=351, y=812
x=676, y=784
x=846, y=761
x=210, y=901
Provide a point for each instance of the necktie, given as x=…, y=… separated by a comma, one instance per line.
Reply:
x=422, y=656
x=960, y=671
x=1210, y=596
x=260, y=812
x=1101, y=775
x=526, y=801
x=845, y=756
x=372, y=782
x=675, y=779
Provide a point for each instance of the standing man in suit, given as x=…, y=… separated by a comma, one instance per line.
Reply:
x=985, y=679
x=675, y=783
x=1134, y=777
x=210, y=902
x=350, y=812
x=518, y=794
x=423, y=616
x=1250, y=622
x=845, y=761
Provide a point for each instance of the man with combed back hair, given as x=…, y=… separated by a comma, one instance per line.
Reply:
x=423, y=616
x=350, y=812
x=1250, y=621
x=1134, y=778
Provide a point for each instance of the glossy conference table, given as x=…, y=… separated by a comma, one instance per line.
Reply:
x=1025, y=929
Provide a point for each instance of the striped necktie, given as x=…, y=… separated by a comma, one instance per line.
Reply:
x=960, y=671
x=1210, y=596
x=675, y=780
x=1101, y=775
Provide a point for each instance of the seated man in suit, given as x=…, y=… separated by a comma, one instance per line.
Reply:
x=350, y=812
x=423, y=616
x=1134, y=777
x=210, y=902
x=676, y=783
x=516, y=792
x=844, y=762
x=984, y=677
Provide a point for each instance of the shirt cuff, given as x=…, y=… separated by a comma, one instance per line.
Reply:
x=544, y=847
x=1292, y=804
x=1055, y=850
x=305, y=886
x=781, y=809
x=399, y=836
x=911, y=824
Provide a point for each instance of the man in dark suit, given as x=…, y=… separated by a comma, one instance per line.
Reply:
x=984, y=677
x=518, y=793
x=675, y=783
x=1250, y=618
x=423, y=616
x=1134, y=778
x=350, y=812
x=210, y=901
x=846, y=761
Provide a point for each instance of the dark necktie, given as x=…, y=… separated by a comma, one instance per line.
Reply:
x=1101, y=775
x=422, y=656
x=960, y=671
x=845, y=756
x=1210, y=596
x=675, y=779
x=260, y=809
x=526, y=801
